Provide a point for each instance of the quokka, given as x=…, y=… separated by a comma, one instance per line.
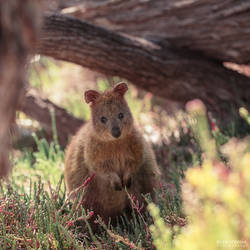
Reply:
x=111, y=147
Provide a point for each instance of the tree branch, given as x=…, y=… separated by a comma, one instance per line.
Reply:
x=217, y=29
x=169, y=73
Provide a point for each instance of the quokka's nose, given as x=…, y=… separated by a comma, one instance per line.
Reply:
x=116, y=132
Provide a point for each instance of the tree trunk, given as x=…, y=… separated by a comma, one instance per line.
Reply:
x=18, y=26
x=216, y=29
x=39, y=109
x=167, y=72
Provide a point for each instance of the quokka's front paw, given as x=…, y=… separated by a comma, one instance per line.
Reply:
x=127, y=181
x=116, y=182
x=117, y=186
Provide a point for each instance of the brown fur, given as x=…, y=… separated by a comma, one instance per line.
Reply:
x=116, y=162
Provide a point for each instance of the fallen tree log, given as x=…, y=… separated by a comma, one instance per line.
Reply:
x=216, y=29
x=171, y=73
x=40, y=109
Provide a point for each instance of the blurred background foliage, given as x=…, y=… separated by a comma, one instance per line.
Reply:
x=216, y=195
x=64, y=83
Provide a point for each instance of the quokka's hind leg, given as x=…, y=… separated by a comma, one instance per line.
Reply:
x=142, y=185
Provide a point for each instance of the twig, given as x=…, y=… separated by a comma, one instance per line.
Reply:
x=119, y=238
x=85, y=184
x=139, y=212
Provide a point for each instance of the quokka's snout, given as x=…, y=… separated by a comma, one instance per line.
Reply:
x=116, y=132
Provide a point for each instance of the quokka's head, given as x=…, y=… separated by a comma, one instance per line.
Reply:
x=110, y=115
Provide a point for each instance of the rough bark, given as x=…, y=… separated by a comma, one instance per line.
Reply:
x=18, y=26
x=40, y=109
x=217, y=29
x=175, y=74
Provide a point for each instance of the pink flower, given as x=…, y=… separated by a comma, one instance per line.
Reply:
x=213, y=126
x=91, y=213
x=88, y=180
x=161, y=187
x=70, y=223
x=149, y=96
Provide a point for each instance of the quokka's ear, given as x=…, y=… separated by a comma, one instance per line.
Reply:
x=91, y=96
x=121, y=88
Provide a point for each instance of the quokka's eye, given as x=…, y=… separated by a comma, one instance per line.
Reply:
x=121, y=115
x=103, y=119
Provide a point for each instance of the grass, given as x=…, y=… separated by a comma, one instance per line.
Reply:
x=44, y=218
x=34, y=210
